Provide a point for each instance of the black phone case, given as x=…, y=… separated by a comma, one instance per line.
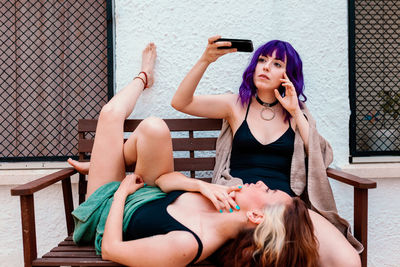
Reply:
x=242, y=45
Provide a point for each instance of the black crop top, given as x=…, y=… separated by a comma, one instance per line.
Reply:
x=153, y=219
x=252, y=161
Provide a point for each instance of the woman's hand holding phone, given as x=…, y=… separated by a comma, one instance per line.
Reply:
x=212, y=53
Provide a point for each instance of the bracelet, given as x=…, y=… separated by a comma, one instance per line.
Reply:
x=144, y=82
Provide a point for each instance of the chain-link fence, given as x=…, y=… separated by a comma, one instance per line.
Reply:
x=53, y=71
x=375, y=77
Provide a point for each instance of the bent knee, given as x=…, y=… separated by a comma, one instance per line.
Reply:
x=154, y=127
x=111, y=112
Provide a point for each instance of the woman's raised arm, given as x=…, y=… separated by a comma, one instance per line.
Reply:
x=211, y=106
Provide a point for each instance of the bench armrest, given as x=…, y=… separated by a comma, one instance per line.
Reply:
x=43, y=182
x=347, y=178
x=361, y=186
x=25, y=192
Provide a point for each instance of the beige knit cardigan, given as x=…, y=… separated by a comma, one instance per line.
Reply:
x=317, y=192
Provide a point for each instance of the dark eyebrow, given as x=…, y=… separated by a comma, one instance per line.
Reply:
x=274, y=58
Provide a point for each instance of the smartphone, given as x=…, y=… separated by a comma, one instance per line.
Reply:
x=242, y=45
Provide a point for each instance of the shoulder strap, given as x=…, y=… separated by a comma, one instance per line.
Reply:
x=247, y=112
x=200, y=247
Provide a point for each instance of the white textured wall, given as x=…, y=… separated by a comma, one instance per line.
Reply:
x=316, y=28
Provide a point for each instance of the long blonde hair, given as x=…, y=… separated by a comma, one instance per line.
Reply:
x=284, y=238
x=269, y=235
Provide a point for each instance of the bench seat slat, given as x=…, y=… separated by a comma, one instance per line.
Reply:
x=67, y=243
x=73, y=248
x=71, y=254
x=91, y=262
x=73, y=262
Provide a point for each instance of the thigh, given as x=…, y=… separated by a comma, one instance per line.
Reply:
x=107, y=160
x=334, y=249
x=150, y=147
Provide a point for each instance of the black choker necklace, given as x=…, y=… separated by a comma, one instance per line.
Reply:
x=267, y=109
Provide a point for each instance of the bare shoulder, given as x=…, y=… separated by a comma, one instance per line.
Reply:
x=183, y=243
x=320, y=223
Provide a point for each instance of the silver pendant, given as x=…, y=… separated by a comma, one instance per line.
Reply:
x=264, y=116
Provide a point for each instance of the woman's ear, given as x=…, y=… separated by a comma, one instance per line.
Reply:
x=255, y=216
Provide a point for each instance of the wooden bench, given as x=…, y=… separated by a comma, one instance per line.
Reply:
x=193, y=140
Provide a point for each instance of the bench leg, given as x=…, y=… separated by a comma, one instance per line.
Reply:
x=68, y=204
x=361, y=220
x=28, y=229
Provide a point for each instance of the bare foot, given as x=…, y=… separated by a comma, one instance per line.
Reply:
x=149, y=55
x=81, y=167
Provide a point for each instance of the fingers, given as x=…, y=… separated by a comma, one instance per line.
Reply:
x=223, y=44
x=285, y=75
x=278, y=95
x=290, y=89
x=223, y=48
x=235, y=188
x=131, y=183
x=214, y=51
x=286, y=81
x=211, y=40
x=226, y=198
x=221, y=196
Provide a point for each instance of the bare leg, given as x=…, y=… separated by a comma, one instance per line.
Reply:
x=107, y=162
x=334, y=249
x=150, y=146
x=155, y=146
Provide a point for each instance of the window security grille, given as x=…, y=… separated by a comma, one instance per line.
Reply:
x=53, y=71
x=374, y=77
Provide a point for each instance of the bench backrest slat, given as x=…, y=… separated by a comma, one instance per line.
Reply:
x=89, y=125
x=178, y=144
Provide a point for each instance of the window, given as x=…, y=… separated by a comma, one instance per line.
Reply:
x=56, y=66
x=374, y=61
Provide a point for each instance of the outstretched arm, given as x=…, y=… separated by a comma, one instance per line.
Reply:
x=219, y=195
x=184, y=99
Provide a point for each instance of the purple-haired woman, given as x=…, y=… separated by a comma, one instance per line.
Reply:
x=269, y=135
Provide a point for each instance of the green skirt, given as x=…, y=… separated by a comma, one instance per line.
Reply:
x=90, y=217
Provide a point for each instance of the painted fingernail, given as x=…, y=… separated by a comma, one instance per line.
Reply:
x=230, y=210
x=240, y=187
x=144, y=184
x=237, y=207
x=220, y=211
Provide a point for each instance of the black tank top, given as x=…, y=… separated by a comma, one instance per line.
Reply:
x=153, y=219
x=252, y=161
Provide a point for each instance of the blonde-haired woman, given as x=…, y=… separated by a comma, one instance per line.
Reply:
x=182, y=227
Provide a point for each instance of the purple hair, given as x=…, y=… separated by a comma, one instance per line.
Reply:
x=294, y=70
